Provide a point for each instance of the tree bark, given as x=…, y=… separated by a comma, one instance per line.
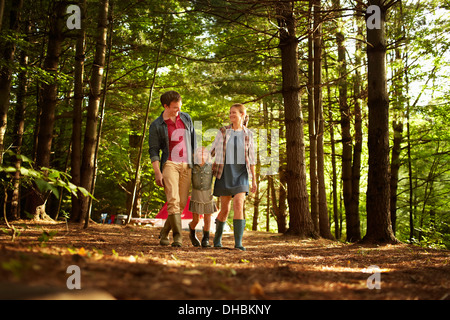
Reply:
x=395, y=168
x=337, y=230
x=357, y=149
x=352, y=216
x=379, y=229
x=49, y=102
x=312, y=125
x=77, y=115
x=91, y=133
x=8, y=52
x=19, y=125
x=300, y=223
x=324, y=224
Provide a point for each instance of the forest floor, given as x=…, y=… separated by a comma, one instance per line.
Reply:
x=126, y=262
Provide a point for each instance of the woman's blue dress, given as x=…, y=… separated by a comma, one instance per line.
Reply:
x=234, y=178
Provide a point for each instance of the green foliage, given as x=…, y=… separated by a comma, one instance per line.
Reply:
x=45, y=237
x=219, y=52
x=47, y=180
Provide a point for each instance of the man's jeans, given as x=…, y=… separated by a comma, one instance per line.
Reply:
x=177, y=180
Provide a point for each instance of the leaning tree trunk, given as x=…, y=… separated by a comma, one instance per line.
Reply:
x=91, y=134
x=379, y=228
x=300, y=219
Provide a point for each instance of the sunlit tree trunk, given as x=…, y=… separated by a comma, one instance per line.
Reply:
x=300, y=219
x=91, y=134
x=379, y=227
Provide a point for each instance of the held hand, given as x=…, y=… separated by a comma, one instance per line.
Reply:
x=253, y=186
x=159, y=180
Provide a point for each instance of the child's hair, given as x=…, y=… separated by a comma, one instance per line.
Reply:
x=204, y=151
x=243, y=110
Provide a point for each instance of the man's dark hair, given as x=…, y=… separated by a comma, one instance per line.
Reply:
x=170, y=96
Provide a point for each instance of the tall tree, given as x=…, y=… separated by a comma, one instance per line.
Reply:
x=379, y=228
x=324, y=224
x=49, y=102
x=351, y=211
x=7, y=52
x=95, y=88
x=312, y=125
x=19, y=126
x=355, y=230
x=78, y=112
x=300, y=219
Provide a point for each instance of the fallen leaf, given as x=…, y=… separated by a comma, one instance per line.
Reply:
x=257, y=289
x=82, y=252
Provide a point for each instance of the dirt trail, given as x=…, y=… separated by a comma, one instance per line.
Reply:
x=127, y=263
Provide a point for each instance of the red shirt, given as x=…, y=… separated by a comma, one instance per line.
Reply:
x=177, y=147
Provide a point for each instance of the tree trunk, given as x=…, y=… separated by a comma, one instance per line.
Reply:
x=19, y=125
x=8, y=51
x=300, y=219
x=324, y=224
x=256, y=202
x=312, y=126
x=281, y=207
x=50, y=90
x=395, y=166
x=379, y=229
x=357, y=149
x=91, y=134
x=77, y=115
x=49, y=102
x=2, y=10
x=352, y=218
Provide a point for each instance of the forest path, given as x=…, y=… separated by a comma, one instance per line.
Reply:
x=128, y=263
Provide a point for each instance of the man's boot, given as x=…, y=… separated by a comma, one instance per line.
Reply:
x=218, y=235
x=164, y=234
x=239, y=227
x=175, y=222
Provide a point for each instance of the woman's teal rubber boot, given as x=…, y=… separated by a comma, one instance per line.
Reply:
x=239, y=227
x=218, y=235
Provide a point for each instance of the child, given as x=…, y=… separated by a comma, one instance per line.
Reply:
x=202, y=201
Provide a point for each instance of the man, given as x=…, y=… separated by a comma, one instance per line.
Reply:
x=173, y=134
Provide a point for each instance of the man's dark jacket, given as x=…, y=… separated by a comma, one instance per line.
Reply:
x=159, y=139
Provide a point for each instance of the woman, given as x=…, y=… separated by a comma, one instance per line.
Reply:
x=234, y=160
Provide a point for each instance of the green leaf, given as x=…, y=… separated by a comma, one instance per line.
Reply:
x=45, y=186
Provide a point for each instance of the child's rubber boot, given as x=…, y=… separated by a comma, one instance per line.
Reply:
x=205, y=239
